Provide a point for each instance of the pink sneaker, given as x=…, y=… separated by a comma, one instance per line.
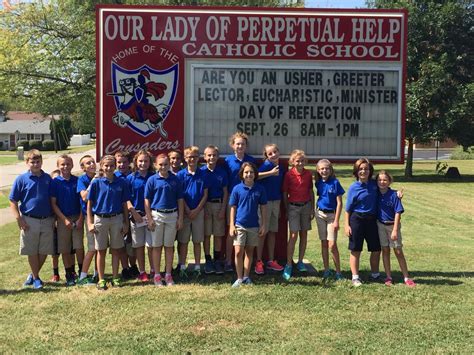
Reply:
x=410, y=283
x=55, y=278
x=143, y=277
x=169, y=280
x=273, y=265
x=388, y=282
x=157, y=280
x=152, y=274
x=259, y=268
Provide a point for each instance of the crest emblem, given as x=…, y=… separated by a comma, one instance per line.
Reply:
x=143, y=97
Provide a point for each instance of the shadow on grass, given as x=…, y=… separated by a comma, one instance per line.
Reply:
x=27, y=290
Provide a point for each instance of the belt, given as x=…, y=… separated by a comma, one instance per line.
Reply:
x=364, y=215
x=107, y=215
x=215, y=200
x=387, y=222
x=171, y=210
x=35, y=217
x=299, y=204
x=326, y=211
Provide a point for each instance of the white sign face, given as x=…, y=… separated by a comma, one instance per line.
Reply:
x=332, y=112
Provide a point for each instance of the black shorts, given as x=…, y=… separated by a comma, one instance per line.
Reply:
x=363, y=227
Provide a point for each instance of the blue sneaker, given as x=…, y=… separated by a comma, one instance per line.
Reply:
x=327, y=274
x=29, y=281
x=228, y=268
x=209, y=267
x=37, y=284
x=247, y=281
x=237, y=283
x=339, y=276
x=287, y=272
x=301, y=267
x=219, y=267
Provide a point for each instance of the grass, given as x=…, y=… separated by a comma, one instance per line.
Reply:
x=304, y=315
x=4, y=201
x=6, y=160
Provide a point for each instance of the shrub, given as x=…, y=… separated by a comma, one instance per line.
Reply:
x=460, y=154
x=24, y=144
x=48, y=144
x=36, y=145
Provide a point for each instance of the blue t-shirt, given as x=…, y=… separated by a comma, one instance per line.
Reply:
x=137, y=189
x=272, y=184
x=193, y=186
x=67, y=197
x=389, y=205
x=107, y=197
x=247, y=200
x=33, y=194
x=328, y=191
x=362, y=197
x=232, y=166
x=83, y=184
x=163, y=193
x=217, y=180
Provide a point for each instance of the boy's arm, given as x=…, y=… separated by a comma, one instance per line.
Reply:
x=90, y=217
x=193, y=213
x=338, y=213
x=263, y=212
x=125, y=218
x=59, y=214
x=347, y=227
x=149, y=217
x=179, y=222
x=84, y=195
x=396, y=226
x=232, y=230
x=225, y=201
x=136, y=216
x=312, y=201
x=19, y=218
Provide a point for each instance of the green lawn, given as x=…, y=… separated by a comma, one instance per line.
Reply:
x=4, y=201
x=6, y=160
x=302, y=316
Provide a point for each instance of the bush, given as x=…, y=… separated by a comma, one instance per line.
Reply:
x=24, y=144
x=48, y=144
x=36, y=145
x=460, y=154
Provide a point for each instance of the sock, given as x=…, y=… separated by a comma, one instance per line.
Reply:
x=406, y=278
x=96, y=273
x=375, y=274
x=197, y=267
x=79, y=267
x=167, y=274
x=83, y=275
x=182, y=267
x=56, y=271
x=355, y=277
x=217, y=255
x=245, y=278
x=208, y=257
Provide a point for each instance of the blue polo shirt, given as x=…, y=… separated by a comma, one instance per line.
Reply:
x=67, y=197
x=124, y=177
x=247, y=199
x=328, y=191
x=108, y=196
x=272, y=184
x=362, y=197
x=163, y=193
x=217, y=180
x=33, y=194
x=389, y=205
x=193, y=186
x=137, y=189
x=83, y=184
x=232, y=166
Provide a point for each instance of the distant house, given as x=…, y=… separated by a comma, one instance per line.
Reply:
x=20, y=126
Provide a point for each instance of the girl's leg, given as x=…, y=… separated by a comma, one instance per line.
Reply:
x=150, y=257
x=386, y=261
x=168, y=259
x=197, y=253
x=249, y=250
x=157, y=258
x=116, y=255
x=67, y=260
x=101, y=263
x=354, y=262
x=271, y=237
x=80, y=256
x=303, y=242
x=207, y=245
x=140, y=254
x=374, y=262
x=325, y=254
x=55, y=261
x=87, y=261
x=183, y=253
x=401, y=261
x=239, y=262
x=332, y=245
x=228, y=249
x=261, y=244
x=291, y=248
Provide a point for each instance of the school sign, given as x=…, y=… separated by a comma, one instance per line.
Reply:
x=330, y=82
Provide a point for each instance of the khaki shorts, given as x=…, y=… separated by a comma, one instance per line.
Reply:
x=90, y=237
x=69, y=239
x=385, y=230
x=194, y=227
x=325, y=223
x=213, y=225
x=273, y=215
x=39, y=238
x=299, y=217
x=109, y=232
x=140, y=235
x=165, y=230
x=246, y=237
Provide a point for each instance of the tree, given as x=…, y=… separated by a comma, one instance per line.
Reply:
x=61, y=131
x=439, y=72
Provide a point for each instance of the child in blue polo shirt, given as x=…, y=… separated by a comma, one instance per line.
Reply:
x=142, y=171
x=195, y=191
x=164, y=209
x=390, y=209
x=328, y=212
x=55, y=256
x=31, y=206
x=232, y=163
x=270, y=176
x=214, y=210
x=107, y=217
x=66, y=204
x=245, y=200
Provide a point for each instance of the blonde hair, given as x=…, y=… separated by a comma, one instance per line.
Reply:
x=64, y=157
x=213, y=147
x=271, y=145
x=236, y=135
x=33, y=154
x=297, y=153
x=81, y=163
x=331, y=168
x=150, y=157
x=103, y=160
x=386, y=173
x=191, y=149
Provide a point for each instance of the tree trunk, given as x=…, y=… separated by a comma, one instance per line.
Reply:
x=409, y=159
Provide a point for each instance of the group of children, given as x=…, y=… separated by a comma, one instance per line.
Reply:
x=159, y=201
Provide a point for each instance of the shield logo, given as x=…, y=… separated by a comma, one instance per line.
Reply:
x=143, y=97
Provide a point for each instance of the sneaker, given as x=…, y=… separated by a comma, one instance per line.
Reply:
x=74, y=275
x=197, y=273
x=287, y=272
x=209, y=267
x=102, y=285
x=29, y=281
x=219, y=267
x=388, y=282
x=95, y=278
x=116, y=282
x=410, y=283
x=237, y=283
x=37, y=284
x=273, y=265
x=327, y=274
x=157, y=280
x=70, y=281
x=247, y=281
x=133, y=270
x=86, y=281
x=55, y=278
x=259, y=267
x=228, y=267
x=339, y=276
x=377, y=279
x=151, y=275
x=183, y=274
x=301, y=266
x=356, y=282
x=169, y=280
x=126, y=274
x=143, y=277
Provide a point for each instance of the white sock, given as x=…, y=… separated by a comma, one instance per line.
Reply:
x=167, y=274
x=406, y=278
x=83, y=275
x=96, y=273
x=197, y=267
x=375, y=274
x=182, y=267
x=355, y=277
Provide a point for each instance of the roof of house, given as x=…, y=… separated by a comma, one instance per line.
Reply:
x=22, y=115
x=24, y=127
